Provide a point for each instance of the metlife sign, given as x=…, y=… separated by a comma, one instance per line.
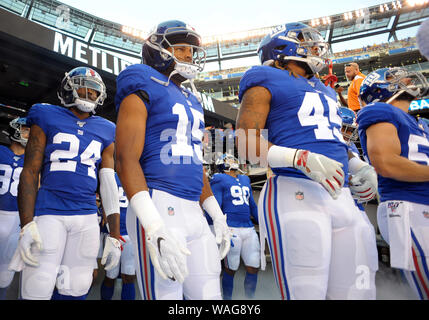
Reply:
x=419, y=105
x=87, y=54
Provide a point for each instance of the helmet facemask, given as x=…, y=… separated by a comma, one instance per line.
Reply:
x=173, y=38
x=350, y=133
x=312, y=48
x=16, y=134
x=406, y=84
x=84, y=102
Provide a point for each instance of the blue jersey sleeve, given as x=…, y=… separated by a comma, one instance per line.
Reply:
x=257, y=76
x=134, y=78
x=216, y=185
x=252, y=203
x=376, y=113
x=37, y=115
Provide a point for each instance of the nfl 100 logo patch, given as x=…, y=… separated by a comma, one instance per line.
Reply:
x=170, y=211
x=426, y=214
x=393, y=206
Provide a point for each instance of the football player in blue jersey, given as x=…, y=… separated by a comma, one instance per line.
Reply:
x=306, y=209
x=234, y=194
x=72, y=150
x=363, y=186
x=126, y=265
x=11, y=163
x=159, y=162
x=397, y=145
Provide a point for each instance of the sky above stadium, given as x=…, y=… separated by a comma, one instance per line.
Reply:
x=217, y=16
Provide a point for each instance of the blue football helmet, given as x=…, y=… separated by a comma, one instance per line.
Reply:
x=228, y=162
x=14, y=131
x=295, y=41
x=82, y=77
x=349, y=127
x=388, y=84
x=169, y=34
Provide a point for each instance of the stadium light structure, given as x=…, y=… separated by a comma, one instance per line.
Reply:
x=415, y=3
x=134, y=32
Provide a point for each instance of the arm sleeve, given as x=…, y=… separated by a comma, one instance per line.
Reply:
x=252, y=204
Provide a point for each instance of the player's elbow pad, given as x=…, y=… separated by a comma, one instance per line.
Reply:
x=109, y=191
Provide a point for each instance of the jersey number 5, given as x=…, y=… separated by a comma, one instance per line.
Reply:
x=89, y=157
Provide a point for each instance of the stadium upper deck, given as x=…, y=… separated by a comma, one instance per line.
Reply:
x=126, y=42
x=385, y=18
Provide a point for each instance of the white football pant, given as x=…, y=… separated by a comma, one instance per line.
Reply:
x=320, y=248
x=246, y=246
x=186, y=222
x=405, y=227
x=70, y=247
x=9, y=235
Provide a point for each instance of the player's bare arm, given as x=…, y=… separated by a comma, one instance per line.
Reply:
x=253, y=115
x=384, y=149
x=29, y=179
x=107, y=161
x=130, y=137
x=207, y=190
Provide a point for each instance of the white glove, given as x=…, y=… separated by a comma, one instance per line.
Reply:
x=111, y=253
x=29, y=238
x=167, y=255
x=222, y=232
x=364, y=185
x=317, y=167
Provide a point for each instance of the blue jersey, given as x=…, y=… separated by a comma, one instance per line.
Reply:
x=172, y=156
x=123, y=205
x=69, y=175
x=10, y=170
x=235, y=198
x=413, y=136
x=303, y=114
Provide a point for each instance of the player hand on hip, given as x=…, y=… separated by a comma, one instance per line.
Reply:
x=167, y=255
x=28, y=237
x=317, y=167
x=364, y=184
x=111, y=253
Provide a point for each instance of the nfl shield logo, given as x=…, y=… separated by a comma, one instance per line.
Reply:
x=81, y=124
x=170, y=211
x=299, y=195
x=426, y=214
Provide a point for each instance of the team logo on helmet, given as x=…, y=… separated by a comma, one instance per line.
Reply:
x=388, y=84
x=298, y=42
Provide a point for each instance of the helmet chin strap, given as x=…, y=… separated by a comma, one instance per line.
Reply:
x=85, y=106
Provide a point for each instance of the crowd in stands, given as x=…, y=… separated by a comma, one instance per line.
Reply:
x=377, y=47
x=372, y=48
